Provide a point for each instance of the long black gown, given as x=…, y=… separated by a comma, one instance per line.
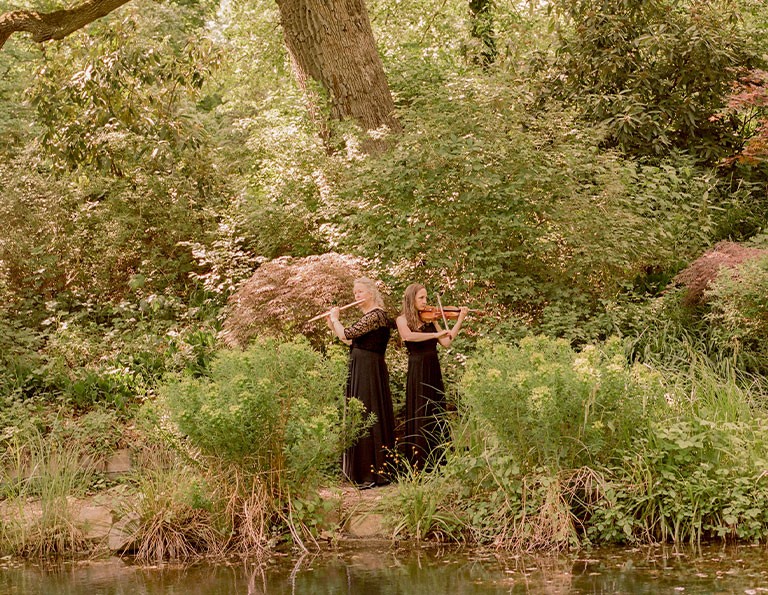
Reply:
x=368, y=380
x=424, y=403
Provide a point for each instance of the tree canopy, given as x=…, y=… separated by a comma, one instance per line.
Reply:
x=167, y=150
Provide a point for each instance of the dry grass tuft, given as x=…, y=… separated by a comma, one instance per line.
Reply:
x=170, y=523
x=705, y=269
x=286, y=292
x=251, y=515
x=54, y=535
x=179, y=533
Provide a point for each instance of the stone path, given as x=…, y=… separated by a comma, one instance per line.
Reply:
x=362, y=512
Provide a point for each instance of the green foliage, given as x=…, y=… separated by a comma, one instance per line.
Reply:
x=480, y=198
x=739, y=308
x=15, y=114
x=127, y=97
x=419, y=513
x=550, y=405
x=166, y=148
x=103, y=354
x=271, y=142
x=20, y=365
x=691, y=468
x=317, y=515
x=655, y=72
x=726, y=332
x=688, y=480
x=274, y=409
x=123, y=177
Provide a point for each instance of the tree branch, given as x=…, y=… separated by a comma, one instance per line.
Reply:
x=55, y=25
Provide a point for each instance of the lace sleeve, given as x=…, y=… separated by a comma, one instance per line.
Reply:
x=369, y=322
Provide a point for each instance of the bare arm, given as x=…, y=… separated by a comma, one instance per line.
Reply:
x=338, y=329
x=408, y=335
x=447, y=339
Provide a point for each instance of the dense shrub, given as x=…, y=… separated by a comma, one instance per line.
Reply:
x=573, y=458
x=550, y=405
x=494, y=202
x=654, y=73
x=274, y=410
x=719, y=316
x=685, y=480
x=739, y=307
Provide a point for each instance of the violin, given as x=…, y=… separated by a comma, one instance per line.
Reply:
x=433, y=313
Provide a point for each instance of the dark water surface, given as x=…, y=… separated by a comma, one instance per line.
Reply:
x=427, y=571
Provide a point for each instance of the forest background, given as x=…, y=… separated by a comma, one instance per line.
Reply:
x=555, y=164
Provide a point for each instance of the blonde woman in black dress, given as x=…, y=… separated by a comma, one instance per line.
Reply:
x=368, y=380
x=425, y=392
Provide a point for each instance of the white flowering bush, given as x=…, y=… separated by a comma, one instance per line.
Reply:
x=552, y=405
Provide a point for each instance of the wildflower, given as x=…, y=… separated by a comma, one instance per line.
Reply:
x=583, y=367
x=538, y=395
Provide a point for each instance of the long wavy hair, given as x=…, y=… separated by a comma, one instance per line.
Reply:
x=409, y=306
x=371, y=286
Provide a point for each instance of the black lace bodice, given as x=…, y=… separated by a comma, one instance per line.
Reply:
x=371, y=332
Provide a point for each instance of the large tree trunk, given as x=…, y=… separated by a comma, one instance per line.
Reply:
x=55, y=25
x=332, y=42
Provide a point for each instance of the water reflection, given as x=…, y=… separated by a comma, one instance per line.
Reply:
x=390, y=571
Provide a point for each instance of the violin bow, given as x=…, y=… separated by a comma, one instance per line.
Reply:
x=319, y=316
x=440, y=303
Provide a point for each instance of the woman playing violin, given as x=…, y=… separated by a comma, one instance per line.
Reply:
x=425, y=392
x=368, y=380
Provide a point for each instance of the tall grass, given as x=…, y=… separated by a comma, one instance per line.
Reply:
x=189, y=505
x=39, y=476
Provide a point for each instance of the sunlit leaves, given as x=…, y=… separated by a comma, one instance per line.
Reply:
x=126, y=93
x=655, y=72
x=124, y=169
x=483, y=198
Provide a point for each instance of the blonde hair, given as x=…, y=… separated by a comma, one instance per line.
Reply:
x=370, y=285
x=409, y=306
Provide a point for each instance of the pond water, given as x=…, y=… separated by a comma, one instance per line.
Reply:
x=425, y=571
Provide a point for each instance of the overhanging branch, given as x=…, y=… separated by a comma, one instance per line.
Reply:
x=55, y=25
